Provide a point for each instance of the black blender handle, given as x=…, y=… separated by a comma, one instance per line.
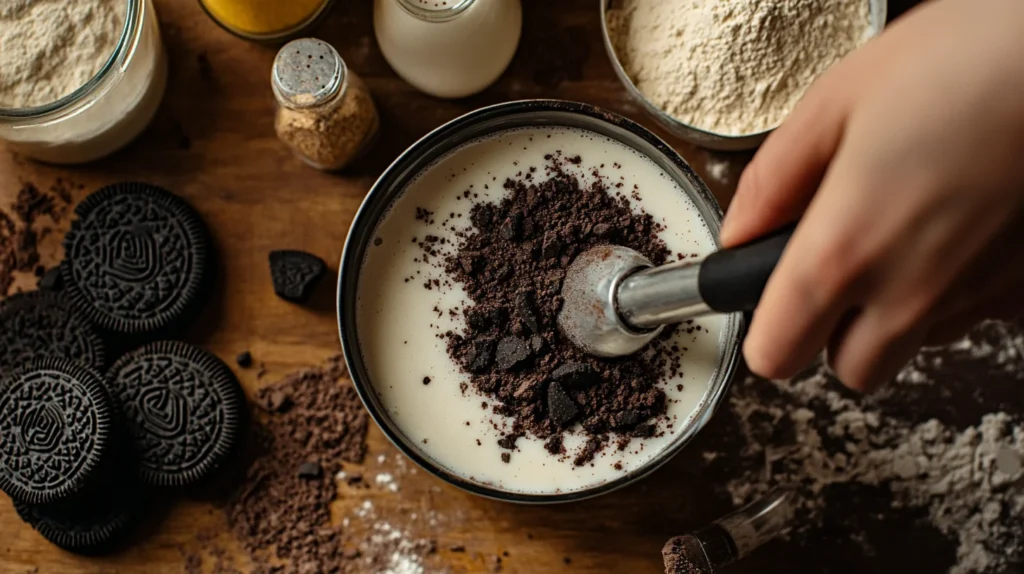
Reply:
x=733, y=279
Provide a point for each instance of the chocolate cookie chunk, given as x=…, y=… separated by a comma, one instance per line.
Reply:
x=295, y=273
x=136, y=259
x=51, y=280
x=561, y=408
x=91, y=526
x=575, y=375
x=56, y=427
x=183, y=409
x=38, y=324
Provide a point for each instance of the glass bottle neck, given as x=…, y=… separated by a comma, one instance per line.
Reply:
x=435, y=10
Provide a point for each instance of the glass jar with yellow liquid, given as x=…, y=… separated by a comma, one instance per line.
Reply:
x=266, y=20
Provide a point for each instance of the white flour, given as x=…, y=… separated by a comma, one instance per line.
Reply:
x=970, y=480
x=50, y=48
x=734, y=67
x=719, y=169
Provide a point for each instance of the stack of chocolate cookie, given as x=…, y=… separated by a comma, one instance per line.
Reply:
x=83, y=447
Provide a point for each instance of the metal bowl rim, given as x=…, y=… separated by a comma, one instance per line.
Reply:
x=351, y=261
x=689, y=132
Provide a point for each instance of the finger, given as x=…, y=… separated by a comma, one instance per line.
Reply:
x=778, y=184
x=819, y=278
x=874, y=349
x=839, y=334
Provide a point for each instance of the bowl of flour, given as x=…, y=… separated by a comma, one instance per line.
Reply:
x=723, y=74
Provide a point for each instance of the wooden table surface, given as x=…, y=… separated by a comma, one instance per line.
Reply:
x=213, y=143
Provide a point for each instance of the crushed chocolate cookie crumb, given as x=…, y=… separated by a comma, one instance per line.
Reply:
x=310, y=470
x=554, y=445
x=281, y=513
x=593, y=446
x=244, y=359
x=508, y=442
x=21, y=228
x=511, y=264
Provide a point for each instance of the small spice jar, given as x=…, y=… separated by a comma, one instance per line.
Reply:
x=325, y=113
x=265, y=20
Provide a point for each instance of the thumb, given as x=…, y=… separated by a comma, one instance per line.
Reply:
x=778, y=184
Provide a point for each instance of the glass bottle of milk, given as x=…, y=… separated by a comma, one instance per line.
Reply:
x=448, y=48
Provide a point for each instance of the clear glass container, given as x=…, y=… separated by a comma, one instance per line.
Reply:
x=106, y=113
x=325, y=113
x=448, y=48
x=267, y=21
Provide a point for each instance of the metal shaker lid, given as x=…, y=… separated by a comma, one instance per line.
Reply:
x=307, y=72
x=435, y=10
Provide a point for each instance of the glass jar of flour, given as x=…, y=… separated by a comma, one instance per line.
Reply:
x=86, y=103
x=448, y=48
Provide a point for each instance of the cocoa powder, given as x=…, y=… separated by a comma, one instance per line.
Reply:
x=310, y=423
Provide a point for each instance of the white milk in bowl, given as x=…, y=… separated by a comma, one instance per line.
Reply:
x=409, y=308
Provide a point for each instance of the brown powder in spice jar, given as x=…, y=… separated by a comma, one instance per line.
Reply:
x=330, y=136
x=511, y=265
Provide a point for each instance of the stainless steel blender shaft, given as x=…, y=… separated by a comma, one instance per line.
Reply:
x=662, y=295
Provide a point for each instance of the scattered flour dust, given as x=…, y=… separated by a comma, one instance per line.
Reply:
x=386, y=480
x=811, y=434
x=718, y=168
x=390, y=549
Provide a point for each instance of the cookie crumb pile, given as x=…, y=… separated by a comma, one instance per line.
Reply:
x=511, y=264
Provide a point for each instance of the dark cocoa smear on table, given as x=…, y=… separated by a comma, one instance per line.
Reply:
x=511, y=264
x=33, y=215
x=310, y=422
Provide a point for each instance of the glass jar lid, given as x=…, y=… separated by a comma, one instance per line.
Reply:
x=307, y=72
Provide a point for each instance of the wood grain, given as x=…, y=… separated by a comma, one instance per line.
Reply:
x=213, y=143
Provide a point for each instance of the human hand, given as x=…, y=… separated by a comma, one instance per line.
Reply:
x=905, y=166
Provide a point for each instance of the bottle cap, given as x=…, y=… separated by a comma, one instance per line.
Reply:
x=307, y=73
x=435, y=10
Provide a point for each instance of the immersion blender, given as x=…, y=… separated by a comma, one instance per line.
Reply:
x=733, y=537
x=616, y=301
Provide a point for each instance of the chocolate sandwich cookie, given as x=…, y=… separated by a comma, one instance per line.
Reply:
x=295, y=273
x=39, y=324
x=56, y=428
x=183, y=408
x=90, y=526
x=136, y=259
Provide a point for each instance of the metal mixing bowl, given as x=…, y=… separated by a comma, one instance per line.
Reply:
x=711, y=140
x=421, y=155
